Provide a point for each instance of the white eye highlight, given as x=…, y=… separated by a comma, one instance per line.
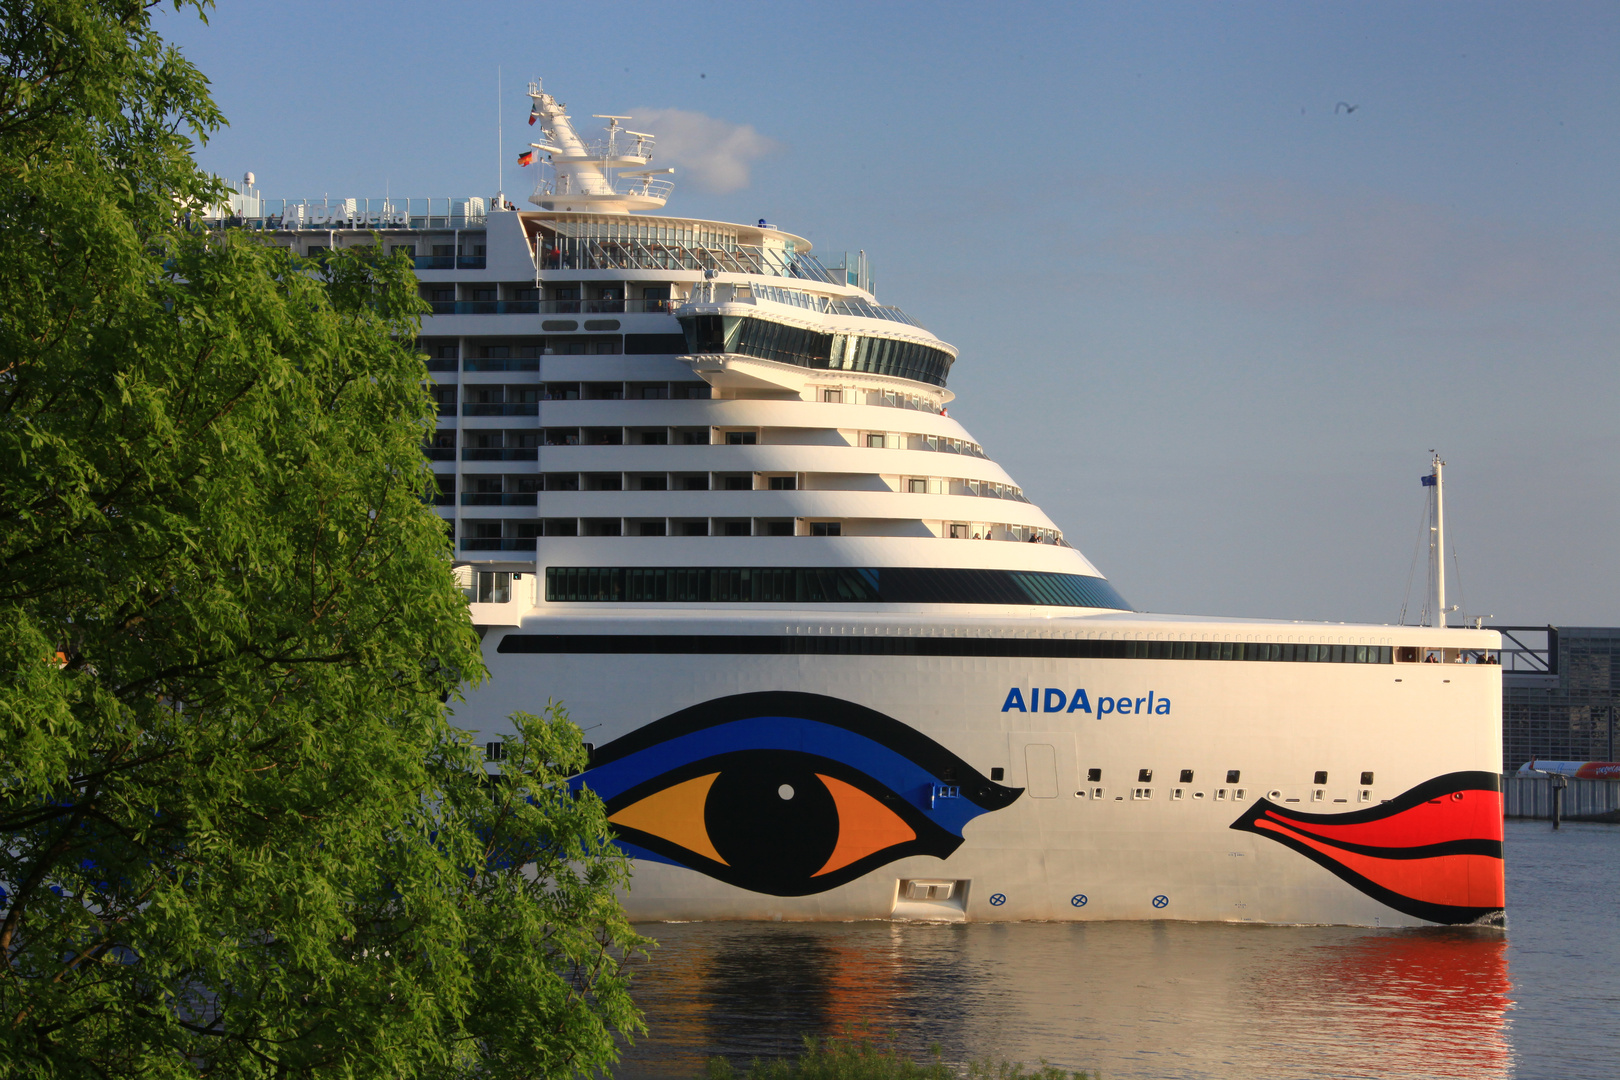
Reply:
x=786, y=791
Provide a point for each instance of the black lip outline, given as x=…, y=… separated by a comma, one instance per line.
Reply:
x=1439, y=786
x=931, y=839
x=836, y=712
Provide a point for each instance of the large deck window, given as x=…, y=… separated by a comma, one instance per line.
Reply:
x=800, y=347
x=828, y=585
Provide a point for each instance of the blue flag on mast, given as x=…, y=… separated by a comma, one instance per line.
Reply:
x=1428, y=481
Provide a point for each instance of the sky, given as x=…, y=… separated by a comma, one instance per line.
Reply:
x=1221, y=275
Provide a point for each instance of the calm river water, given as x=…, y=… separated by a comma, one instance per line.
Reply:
x=1182, y=1000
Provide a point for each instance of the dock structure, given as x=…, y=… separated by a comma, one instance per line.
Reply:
x=1560, y=694
x=1581, y=800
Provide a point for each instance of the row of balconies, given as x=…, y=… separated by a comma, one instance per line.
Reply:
x=523, y=489
x=606, y=297
x=441, y=446
x=523, y=399
x=524, y=535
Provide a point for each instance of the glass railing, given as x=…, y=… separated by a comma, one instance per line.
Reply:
x=590, y=253
x=503, y=363
x=448, y=262
x=554, y=307
x=500, y=453
x=498, y=543
x=499, y=408
x=485, y=307
x=607, y=307
x=498, y=498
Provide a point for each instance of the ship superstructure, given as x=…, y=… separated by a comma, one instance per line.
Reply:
x=706, y=490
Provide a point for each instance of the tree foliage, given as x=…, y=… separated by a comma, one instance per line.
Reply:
x=238, y=836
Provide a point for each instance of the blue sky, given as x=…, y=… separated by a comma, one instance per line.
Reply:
x=1209, y=318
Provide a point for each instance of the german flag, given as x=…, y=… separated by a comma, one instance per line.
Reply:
x=525, y=157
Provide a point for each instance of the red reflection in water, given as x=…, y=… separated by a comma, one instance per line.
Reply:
x=1407, y=1004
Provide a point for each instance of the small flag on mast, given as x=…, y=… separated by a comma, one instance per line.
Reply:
x=534, y=114
x=1428, y=481
x=525, y=157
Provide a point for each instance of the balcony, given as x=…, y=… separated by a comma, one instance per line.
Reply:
x=440, y=453
x=552, y=307
x=608, y=307
x=498, y=498
x=448, y=262
x=498, y=543
x=503, y=363
x=509, y=408
x=500, y=453
x=485, y=307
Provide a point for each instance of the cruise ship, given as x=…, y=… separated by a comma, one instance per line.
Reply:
x=833, y=663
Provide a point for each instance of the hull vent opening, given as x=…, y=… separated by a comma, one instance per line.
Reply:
x=930, y=899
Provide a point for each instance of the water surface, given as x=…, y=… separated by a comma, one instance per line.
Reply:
x=1170, y=999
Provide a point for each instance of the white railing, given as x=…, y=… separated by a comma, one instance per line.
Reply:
x=430, y=213
x=645, y=186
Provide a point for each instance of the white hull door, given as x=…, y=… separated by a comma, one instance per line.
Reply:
x=838, y=787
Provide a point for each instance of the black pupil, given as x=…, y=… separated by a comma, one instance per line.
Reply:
x=754, y=821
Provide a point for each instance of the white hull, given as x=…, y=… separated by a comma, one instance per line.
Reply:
x=1129, y=856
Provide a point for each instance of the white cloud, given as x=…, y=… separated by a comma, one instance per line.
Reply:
x=713, y=154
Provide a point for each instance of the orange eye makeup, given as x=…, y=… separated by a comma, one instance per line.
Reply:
x=786, y=794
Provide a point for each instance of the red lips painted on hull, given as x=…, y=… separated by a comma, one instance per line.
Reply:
x=1434, y=852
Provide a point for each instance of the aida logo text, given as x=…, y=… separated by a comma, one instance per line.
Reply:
x=1053, y=699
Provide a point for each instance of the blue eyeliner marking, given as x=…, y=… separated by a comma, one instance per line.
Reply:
x=899, y=773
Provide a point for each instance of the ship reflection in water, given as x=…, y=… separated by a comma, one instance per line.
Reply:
x=1131, y=999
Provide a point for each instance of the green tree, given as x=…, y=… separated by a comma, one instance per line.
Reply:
x=238, y=836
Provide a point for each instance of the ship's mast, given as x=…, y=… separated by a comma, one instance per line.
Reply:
x=587, y=178
x=1437, y=540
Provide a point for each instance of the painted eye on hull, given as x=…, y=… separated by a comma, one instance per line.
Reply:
x=787, y=794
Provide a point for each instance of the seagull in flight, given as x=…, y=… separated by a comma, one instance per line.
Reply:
x=1346, y=106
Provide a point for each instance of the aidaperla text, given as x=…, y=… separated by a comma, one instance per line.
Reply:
x=1054, y=699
